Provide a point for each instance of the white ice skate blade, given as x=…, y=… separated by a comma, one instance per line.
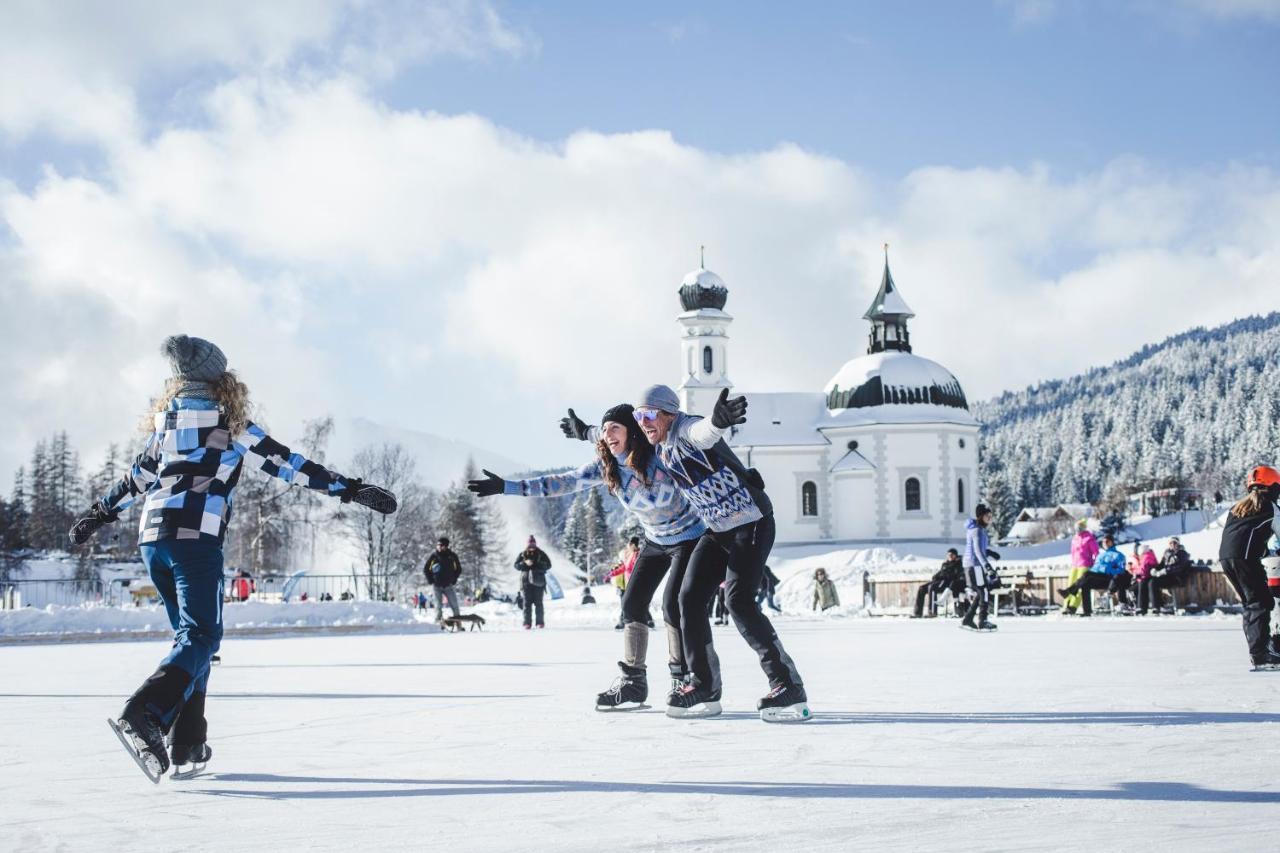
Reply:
x=696, y=712
x=798, y=713
x=625, y=706
x=149, y=765
x=193, y=770
x=975, y=629
x=1265, y=667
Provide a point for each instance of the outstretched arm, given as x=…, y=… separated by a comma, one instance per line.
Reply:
x=265, y=453
x=704, y=433
x=549, y=486
x=140, y=477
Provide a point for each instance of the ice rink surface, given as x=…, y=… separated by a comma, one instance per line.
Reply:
x=1114, y=734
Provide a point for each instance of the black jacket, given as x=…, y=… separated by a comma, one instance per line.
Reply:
x=533, y=575
x=1246, y=538
x=443, y=568
x=1175, y=562
x=951, y=573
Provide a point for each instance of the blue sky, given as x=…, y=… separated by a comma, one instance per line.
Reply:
x=463, y=216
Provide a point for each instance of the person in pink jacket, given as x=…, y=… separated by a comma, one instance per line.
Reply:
x=1084, y=553
x=1141, y=567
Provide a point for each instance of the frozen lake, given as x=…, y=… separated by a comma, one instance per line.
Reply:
x=1115, y=734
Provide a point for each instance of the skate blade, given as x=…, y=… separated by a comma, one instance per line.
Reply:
x=149, y=765
x=697, y=712
x=195, y=769
x=798, y=713
x=625, y=706
x=1265, y=667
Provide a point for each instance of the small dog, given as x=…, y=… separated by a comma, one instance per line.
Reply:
x=458, y=623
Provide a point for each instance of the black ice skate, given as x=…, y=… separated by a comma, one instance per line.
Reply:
x=984, y=625
x=786, y=703
x=1270, y=662
x=691, y=702
x=189, y=761
x=628, y=691
x=140, y=734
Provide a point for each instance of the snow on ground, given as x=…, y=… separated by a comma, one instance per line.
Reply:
x=118, y=622
x=1114, y=734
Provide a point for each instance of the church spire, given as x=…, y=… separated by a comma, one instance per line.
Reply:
x=888, y=314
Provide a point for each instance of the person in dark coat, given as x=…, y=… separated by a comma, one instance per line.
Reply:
x=949, y=577
x=768, y=588
x=1250, y=524
x=443, y=568
x=533, y=564
x=1174, y=570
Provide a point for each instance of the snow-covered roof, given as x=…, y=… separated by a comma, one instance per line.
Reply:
x=897, y=414
x=703, y=278
x=853, y=461
x=1037, y=513
x=786, y=419
x=1025, y=530
x=1077, y=510
x=895, y=378
x=888, y=300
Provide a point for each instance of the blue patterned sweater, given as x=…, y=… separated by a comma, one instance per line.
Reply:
x=715, y=481
x=190, y=466
x=660, y=507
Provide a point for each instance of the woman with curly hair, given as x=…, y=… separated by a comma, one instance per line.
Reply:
x=201, y=438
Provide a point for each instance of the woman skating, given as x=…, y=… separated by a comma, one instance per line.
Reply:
x=628, y=467
x=1250, y=524
x=187, y=472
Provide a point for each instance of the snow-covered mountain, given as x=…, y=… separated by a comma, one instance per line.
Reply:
x=1197, y=407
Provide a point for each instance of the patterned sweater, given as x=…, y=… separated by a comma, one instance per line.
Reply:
x=723, y=492
x=660, y=507
x=190, y=466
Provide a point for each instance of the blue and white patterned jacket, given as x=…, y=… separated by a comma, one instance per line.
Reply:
x=712, y=477
x=190, y=466
x=660, y=507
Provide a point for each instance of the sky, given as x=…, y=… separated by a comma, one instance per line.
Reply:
x=462, y=217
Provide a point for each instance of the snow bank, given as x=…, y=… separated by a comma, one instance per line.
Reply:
x=98, y=620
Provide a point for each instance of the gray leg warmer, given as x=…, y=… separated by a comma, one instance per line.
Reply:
x=635, y=643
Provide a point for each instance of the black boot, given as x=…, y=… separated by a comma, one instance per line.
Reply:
x=786, y=703
x=190, y=731
x=144, y=716
x=628, y=691
x=1265, y=662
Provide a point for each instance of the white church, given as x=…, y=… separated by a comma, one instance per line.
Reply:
x=887, y=451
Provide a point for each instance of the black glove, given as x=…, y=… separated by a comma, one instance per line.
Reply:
x=574, y=427
x=992, y=554
x=96, y=516
x=491, y=485
x=375, y=498
x=728, y=412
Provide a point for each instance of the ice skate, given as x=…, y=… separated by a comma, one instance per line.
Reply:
x=142, y=737
x=984, y=625
x=692, y=702
x=628, y=691
x=785, y=704
x=1270, y=662
x=189, y=761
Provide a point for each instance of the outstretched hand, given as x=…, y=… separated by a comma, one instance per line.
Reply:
x=89, y=522
x=375, y=498
x=491, y=485
x=728, y=412
x=573, y=427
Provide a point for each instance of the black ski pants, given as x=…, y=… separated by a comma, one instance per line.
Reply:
x=1149, y=590
x=736, y=557
x=533, y=604
x=937, y=588
x=653, y=563
x=1119, y=584
x=1249, y=580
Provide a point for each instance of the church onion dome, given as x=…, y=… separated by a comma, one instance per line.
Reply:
x=703, y=289
x=893, y=378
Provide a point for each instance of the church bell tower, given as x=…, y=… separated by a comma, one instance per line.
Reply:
x=704, y=344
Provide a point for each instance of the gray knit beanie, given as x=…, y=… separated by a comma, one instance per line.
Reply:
x=659, y=397
x=194, y=359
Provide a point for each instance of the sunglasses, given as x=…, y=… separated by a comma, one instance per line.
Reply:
x=643, y=416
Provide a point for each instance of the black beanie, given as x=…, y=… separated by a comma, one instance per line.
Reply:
x=624, y=413
x=980, y=510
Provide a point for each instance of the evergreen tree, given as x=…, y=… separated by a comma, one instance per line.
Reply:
x=574, y=538
x=599, y=537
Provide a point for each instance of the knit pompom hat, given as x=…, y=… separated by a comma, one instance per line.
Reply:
x=194, y=359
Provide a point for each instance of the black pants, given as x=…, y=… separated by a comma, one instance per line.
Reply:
x=533, y=601
x=737, y=557
x=1119, y=584
x=1149, y=590
x=937, y=588
x=653, y=563
x=1249, y=580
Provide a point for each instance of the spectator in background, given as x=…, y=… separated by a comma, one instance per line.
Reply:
x=442, y=569
x=719, y=608
x=587, y=597
x=621, y=574
x=949, y=577
x=1084, y=553
x=1144, y=562
x=1173, y=571
x=768, y=588
x=1108, y=573
x=533, y=564
x=824, y=591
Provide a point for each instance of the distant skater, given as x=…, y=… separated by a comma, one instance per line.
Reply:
x=186, y=473
x=1250, y=523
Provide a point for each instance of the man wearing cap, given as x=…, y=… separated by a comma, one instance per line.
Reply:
x=533, y=564
x=443, y=569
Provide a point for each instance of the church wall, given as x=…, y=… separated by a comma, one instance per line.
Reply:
x=854, y=505
x=785, y=471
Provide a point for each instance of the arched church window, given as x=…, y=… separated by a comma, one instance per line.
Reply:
x=912, y=489
x=707, y=362
x=960, y=508
x=809, y=498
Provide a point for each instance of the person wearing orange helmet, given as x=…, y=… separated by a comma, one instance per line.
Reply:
x=1250, y=524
